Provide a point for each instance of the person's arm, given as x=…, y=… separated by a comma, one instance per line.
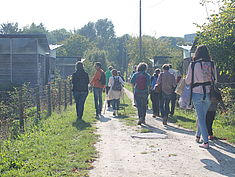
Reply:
x=159, y=80
x=188, y=78
x=95, y=77
x=73, y=79
x=110, y=81
x=215, y=74
x=133, y=80
x=88, y=80
x=121, y=80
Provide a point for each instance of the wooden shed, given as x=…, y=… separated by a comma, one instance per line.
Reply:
x=24, y=58
x=66, y=65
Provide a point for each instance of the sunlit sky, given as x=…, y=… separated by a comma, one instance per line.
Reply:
x=159, y=17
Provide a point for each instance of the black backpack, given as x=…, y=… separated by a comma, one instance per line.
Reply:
x=116, y=84
x=102, y=78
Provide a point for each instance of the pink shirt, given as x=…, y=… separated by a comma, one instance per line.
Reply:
x=201, y=74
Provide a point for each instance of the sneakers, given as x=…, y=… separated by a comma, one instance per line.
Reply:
x=139, y=122
x=211, y=138
x=115, y=113
x=164, y=120
x=197, y=139
x=204, y=145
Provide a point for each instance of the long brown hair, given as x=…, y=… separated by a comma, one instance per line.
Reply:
x=202, y=53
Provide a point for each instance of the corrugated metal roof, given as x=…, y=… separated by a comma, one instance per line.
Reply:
x=55, y=46
x=42, y=38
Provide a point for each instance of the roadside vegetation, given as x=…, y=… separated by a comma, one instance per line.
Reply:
x=58, y=146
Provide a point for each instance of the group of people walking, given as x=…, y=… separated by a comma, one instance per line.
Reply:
x=201, y=77
x=161, y=87
x=110, y=81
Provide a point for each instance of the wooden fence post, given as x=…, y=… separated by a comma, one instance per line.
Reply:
x=21, y=111
x=65, y=95
x=59, y=95
x=48, y=100
x=53, y=97
x=38, y=104
x=70, y=93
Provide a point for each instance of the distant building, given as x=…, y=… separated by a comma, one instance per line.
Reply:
x=65, y=65
x=24, y=58
x=158, y=61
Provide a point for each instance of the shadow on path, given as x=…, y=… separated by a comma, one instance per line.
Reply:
x=179, y=130
x=153, y=129
x=223, y=146
x=224, y=164
x=104, y=118
x=175, y=119
x=81, y=124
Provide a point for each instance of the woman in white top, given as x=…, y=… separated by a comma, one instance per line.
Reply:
x=115, y=83
x=200, y=79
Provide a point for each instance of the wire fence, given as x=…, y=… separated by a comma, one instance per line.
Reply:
x=25, y=107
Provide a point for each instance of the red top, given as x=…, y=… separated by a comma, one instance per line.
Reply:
x=95, y=82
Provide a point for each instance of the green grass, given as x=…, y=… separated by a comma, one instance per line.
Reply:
x=127, y=113
x=128, y=86
x=184, y=118
x=187, y=119
x=59, y=146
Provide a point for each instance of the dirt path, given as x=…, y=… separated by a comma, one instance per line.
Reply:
x=168, y=151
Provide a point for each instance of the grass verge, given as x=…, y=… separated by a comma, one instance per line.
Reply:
x=127, y=112
x=59, y=146
x=187, y=119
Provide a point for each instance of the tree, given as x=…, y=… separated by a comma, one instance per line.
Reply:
x=96, y=55
x=76, y=45
x=9, y=28
x=57, y=36
x=105, y=29
x=219, y=35
x=34, y=29
x=88, y=31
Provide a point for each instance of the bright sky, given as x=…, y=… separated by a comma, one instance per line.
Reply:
x=159, y=17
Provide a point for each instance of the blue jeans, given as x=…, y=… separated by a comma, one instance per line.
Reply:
x=164, y=104
x=155, y=98
x=80, y=98
x=201, y=107
x=115, y=104
x=141, y=104
x=98, y=99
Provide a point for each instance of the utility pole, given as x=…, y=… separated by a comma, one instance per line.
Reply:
x=140, y=37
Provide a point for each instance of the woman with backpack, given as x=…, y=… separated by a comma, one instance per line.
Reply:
x=141, y=83
x=201, y=74
x=116, y=84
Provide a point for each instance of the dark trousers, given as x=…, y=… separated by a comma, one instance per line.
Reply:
x=164, y=104
x=98, y=99
x=107, y=91
x=141, y=104
x=115, y=104
x=210, y=117
x=172, y=102
x=80, y=98
x=155, y=98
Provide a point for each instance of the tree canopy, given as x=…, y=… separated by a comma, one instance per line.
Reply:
x=219, y=35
